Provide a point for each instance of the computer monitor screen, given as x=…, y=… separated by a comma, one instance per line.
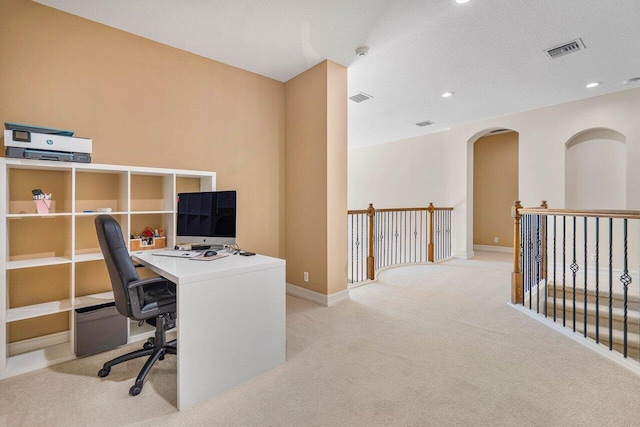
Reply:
x=207, y=218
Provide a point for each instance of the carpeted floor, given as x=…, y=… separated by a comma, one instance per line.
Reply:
x=432, y=345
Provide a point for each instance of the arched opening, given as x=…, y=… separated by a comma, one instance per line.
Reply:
x=595, y=170
x=495, y=187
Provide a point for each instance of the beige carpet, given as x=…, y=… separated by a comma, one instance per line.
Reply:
x=432, y=345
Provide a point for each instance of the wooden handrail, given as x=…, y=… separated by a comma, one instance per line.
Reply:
x=595, y=213
x=364, y=211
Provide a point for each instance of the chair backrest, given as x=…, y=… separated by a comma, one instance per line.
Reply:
x=116, y=255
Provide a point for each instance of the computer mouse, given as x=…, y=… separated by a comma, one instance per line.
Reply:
x=207, y=254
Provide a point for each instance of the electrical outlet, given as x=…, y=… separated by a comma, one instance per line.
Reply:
x=306, y=276
x=496, y=240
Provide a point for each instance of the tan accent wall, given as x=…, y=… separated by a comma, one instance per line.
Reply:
x=316, y=185
x=495, y=187
x=336, y=178
x=144, y=104
x=147, y=104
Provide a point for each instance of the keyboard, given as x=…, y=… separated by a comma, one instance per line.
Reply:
x=177, y=253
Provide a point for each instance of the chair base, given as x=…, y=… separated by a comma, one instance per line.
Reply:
x=156, y=349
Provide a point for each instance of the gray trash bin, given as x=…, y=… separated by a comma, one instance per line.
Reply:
x=99, y=328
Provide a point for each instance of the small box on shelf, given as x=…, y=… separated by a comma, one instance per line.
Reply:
x=31, y=207
x=143, y=244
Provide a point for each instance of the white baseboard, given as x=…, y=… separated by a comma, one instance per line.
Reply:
x=489, y=248
x=317, y=297
x=463, y=255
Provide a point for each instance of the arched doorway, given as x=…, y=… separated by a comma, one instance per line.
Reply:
x=495, y=187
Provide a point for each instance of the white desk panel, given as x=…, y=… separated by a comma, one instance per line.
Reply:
x=231, y=320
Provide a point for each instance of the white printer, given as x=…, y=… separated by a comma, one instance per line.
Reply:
x=33, y=142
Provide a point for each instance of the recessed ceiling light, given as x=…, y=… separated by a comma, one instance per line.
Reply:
x=632, y=80
x=593, y=84
x=461, y=1
x=447, y=94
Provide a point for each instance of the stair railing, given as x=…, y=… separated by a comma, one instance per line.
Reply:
x=381, y=238
x=576, y=267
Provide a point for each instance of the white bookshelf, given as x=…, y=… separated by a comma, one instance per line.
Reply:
x=33, y=244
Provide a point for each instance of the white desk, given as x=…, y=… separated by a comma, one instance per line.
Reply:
x=231, y=320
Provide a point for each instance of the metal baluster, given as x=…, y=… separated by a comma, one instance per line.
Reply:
x=420, y=235
x=402, y=237
x=375, y=243
x=626, y=280
x=392, y=247
x=585, y=277
x=385, y=228
x=574, y=270
x=597, y=280
x=351, y=246
x=522, y=254
x=361, y=246
x=415, y=235
x=436, y=215
x=386, y=246
x=357, y=248
x=398, y=238
x=448, y=233
x=529, y=270
x=564, y=271
x=538, y=263
x=379, y=241
x=545, y=264
x=554, y=267
x=610, y=283
x=530, y=258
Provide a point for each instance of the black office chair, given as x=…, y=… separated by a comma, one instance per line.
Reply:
x=152, y=300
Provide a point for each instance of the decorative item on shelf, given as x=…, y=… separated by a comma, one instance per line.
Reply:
x=148, y=239
x=44, y=203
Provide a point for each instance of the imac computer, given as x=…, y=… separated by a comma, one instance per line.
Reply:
x=206, y=219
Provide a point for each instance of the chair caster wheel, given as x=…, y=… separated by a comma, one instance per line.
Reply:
x=135, y=390
x=104, y=372
x=147, y=346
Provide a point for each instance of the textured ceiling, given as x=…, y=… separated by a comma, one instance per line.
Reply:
x=489, y=52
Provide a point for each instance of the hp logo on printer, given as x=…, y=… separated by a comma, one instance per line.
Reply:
x=49, y=141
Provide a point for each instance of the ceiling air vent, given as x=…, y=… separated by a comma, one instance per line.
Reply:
x=360, y=97
x=563, y=49
x=425, y=123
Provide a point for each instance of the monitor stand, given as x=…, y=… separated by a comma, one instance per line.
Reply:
x=200, y=247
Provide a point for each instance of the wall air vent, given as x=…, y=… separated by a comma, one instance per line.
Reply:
x=565, y=48
x=425, y=123
x=360, y=97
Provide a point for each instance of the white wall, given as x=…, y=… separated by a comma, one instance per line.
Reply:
x=595, y=171
x=408, y=173
x=392, y=173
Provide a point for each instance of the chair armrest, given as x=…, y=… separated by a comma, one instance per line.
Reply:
x=148, y=281
x=137, y=288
